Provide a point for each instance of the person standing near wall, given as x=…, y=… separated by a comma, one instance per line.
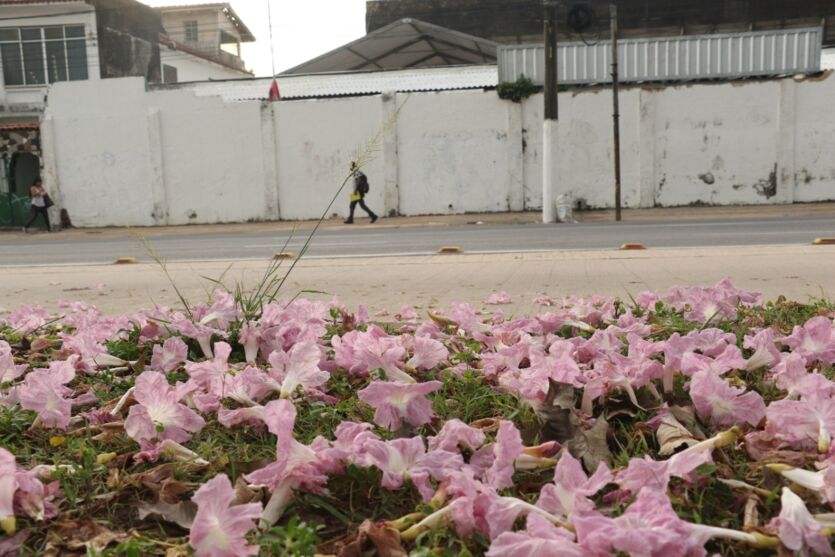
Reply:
x=40, y=205
x=361, y=188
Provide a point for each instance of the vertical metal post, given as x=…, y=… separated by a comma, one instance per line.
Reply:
x=549, y=129
x=551, y=109
x=613, y=16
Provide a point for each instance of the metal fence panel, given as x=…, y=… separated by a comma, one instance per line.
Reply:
x=728, y=56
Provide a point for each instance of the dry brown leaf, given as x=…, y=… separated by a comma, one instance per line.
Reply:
x=181, y=514
x=487, y=425
x=585, y=439
x=160, y=480
x=42, y=343
x=383, y=539
x=386, y=540
x=672, y=436
x=245, y=494
x=78, y=535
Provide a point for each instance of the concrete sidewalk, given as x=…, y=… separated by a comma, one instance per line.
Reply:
x=387, y=283
x=797, y=210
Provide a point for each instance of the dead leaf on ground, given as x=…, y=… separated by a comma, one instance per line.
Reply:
x=78, y=535
x=42, y=343
x=10, y=547
x=383, y=539
x=161, y=481
x=585, y=439
x=487, y=425
x=672, y=435
x=245, y=494
x=762, y=448
x=181, y=514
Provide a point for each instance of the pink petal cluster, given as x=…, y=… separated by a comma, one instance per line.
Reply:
x=159, y=415
x=219, y=526
x=395, y=403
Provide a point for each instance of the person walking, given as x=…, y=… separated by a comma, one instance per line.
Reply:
x=40, y=205
x=358, y=195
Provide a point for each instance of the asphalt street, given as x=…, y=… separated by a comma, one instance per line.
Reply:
x=382, y=240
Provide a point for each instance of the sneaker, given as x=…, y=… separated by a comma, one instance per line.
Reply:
x=373, y=219
x=348, y=222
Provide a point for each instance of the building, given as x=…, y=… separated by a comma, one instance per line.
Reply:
x=521, y=21
x=47, y=41
x=203, y=41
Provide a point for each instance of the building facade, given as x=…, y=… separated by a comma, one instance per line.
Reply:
x=521, y=21
x=203, y=42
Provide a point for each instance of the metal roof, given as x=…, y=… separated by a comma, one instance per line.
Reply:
x=690, y=57
x=346, y=84
x=407, y=43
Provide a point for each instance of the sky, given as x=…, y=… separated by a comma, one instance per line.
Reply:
x=302, y=29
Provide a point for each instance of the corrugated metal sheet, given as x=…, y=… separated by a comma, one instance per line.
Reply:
x=732, y=55
x=347, y=84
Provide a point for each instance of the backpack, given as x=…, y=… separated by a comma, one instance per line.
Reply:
x=362, y=183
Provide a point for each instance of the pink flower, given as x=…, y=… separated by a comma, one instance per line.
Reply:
x=219, y=527
x=170, y=355
x=396, y=402
x=376, y=350
x=498, y=298
x=199, y=332
x=646, y=473
x=9, y=371
x=211, y=376
x=250, y=338
x=722, y=404
x=765, y=350
x=649, y=527
x=26, y=318
x=572, y=488
x=249, y=386
x=296, y=467
x=506, y=449
x=730, y=358
x=797, y=528
x=428, y=354
x=822, y=482
x=158, y=414
x=803, y=423
x=8, y=486
x=44, y=392
x=814, y=341
x=406, y=313
x=540, y=539
x=297, y=368
x=455, y=433
x=407, y=459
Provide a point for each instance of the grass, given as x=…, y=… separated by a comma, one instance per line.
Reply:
x=107, y=493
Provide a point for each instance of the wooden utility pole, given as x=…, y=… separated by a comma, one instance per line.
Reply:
x=549, y=129
x=613, y=16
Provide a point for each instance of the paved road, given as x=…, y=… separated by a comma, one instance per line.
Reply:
x=363, y=241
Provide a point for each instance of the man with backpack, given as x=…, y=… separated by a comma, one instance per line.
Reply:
x=358, y=195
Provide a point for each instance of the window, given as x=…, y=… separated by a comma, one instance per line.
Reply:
x=169, y=74
x=41, y=55
x=191, y=30
x=230, y=44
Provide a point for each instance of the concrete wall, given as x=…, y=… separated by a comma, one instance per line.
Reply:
x=193, y=68
x=171, y=157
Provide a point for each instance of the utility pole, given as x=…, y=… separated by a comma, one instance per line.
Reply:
x=613, y=16
x=549, y=129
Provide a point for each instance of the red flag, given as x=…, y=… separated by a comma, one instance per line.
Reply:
x=274, y=94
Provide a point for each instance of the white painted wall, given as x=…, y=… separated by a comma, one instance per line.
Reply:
x=194, y=68
x=171, y=157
